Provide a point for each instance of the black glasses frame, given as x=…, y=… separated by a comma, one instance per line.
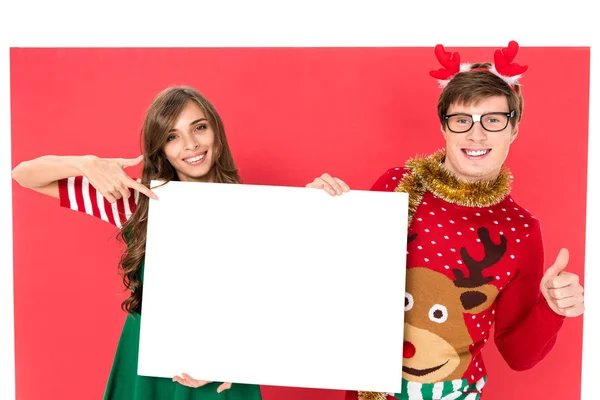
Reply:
x=509, y=115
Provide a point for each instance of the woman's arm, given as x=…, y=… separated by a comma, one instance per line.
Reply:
x=42, y=174
x=106, y=175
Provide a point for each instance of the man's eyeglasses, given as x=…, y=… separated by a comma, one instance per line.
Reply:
x=491, y=122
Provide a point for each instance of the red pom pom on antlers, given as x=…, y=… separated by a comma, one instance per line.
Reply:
x=503, y=60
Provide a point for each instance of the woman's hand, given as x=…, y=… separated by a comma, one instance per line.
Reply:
x=188, y=381
x=108, y=177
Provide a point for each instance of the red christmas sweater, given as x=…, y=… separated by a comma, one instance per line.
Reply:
x=475, y=258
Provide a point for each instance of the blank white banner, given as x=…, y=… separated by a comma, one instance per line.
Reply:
x=275, y=285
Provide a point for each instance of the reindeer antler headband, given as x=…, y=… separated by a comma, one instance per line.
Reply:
x=503, y=66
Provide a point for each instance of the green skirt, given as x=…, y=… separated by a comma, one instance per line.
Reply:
x=125, y=384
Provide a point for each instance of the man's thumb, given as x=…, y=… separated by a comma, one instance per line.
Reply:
x=559, y=265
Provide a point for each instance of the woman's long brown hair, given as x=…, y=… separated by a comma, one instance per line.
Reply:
x=160, y=118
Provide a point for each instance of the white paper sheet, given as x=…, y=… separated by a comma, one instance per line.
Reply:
x=275, y=285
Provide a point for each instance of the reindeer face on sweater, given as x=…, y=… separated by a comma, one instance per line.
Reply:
x=436, y=338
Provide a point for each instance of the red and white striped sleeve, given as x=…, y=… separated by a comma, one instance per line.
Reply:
x=77, y=194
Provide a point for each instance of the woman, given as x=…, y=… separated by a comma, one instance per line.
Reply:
x=184, y=140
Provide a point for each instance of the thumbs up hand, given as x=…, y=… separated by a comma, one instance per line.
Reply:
x=561, y=289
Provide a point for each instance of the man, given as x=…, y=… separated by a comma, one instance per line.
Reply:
x=474, y=256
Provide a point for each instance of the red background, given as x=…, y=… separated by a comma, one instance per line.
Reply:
x=290, y=115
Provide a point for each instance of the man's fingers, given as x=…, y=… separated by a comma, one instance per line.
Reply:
x=335, y=185
x=318, y=183
x=567, y=302
x=327, y=187
x=329, y=179
x=564, y=280
x=564, y=292
x=342, y=184
x=574, y=311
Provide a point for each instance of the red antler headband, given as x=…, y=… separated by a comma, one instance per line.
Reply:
x=503, y=66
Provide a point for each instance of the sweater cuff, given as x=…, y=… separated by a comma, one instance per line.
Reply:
x=547, y=314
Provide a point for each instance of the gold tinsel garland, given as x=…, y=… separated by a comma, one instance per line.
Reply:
x=431, y=173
